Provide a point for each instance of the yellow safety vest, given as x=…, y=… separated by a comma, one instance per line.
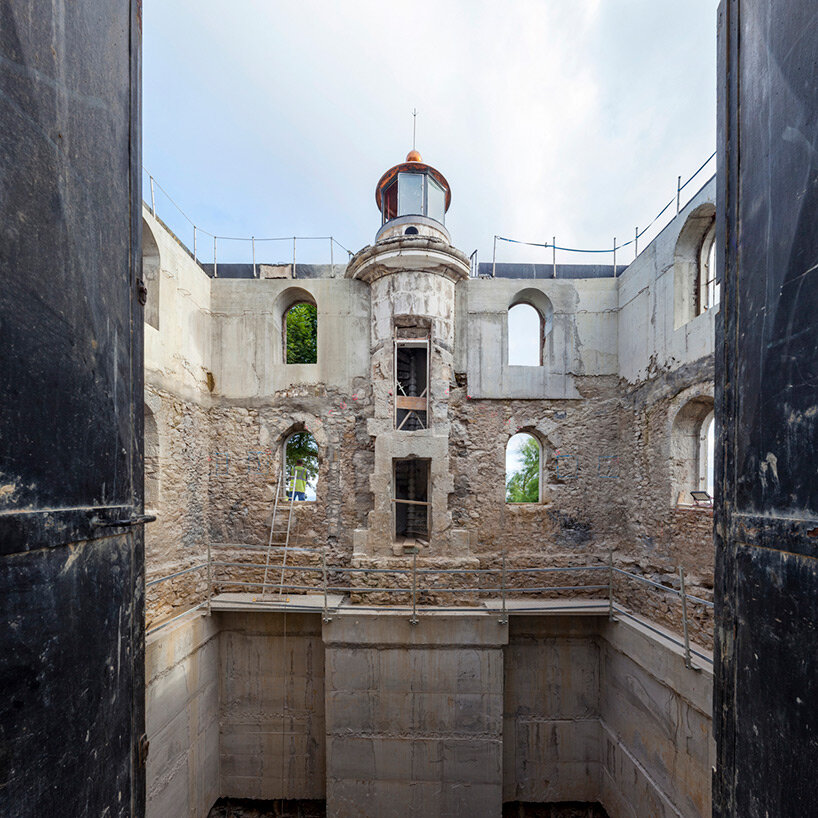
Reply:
x=300, y=479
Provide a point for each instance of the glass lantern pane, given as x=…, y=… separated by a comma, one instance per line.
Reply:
x=410, y=194
x=436, y=202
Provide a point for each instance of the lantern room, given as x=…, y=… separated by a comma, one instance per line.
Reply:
x=413, y=199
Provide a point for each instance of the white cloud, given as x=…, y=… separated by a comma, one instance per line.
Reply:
x=548, y=118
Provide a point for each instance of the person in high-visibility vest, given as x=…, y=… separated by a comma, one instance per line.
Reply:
x=299, y=484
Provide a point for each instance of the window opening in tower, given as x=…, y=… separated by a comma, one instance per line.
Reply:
x=411, y=385
x=411, y=482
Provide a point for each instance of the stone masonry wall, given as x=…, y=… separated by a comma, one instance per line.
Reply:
x=177, y=539
x=241, y=494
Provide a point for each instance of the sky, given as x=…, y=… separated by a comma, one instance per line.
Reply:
x=566, y=118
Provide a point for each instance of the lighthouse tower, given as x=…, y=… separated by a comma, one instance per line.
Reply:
x=411, y=269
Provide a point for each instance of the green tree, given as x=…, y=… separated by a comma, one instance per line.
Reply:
x=523, y=486
x=302, y=334
x=302, y=446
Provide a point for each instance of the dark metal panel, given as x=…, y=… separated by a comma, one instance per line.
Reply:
x=65, y=237
x=71, y=562
x=65, y=712
x=766, y=520
x=776, y=713
x=777, y=258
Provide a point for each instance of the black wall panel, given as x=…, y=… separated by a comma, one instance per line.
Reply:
x=71, y=547
x=766, y=698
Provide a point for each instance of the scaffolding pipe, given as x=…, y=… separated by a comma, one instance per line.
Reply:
x=678, y=194
x=253, y=242
x=614, y=256
x=326, y=617
x=554, y=255
x=688, y=663
x=194, y=243
x=153, y=198
x=494, y=260
x=504, y=615
x=635, y=242
x=610, y=586
x=215, y=257
x=209, y=579
x=414, y=619
x=294, y=275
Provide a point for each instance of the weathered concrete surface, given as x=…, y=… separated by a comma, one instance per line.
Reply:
x=582, y=340
x=658, y=328
x=455, y=715
x=182, y=718
x=414, y=715
x=247, y=318
x=656, y=720
x=552, y=744
x=271, y=738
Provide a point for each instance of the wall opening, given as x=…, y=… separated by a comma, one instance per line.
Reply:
x=301, y=466
x=691, y=450
x=709, y=289
x=300, y=333
x=411, y=495
x=523, y=469
x=693, y=261
x=707, y=453
x=151, y=273
x=411, y=384
x=151, y=457
x=529, y=321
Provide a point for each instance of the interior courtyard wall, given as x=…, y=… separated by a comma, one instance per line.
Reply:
x=259, y=400
x=663, y=365
x=545, y=709
x=177, y=399
x=224, y=402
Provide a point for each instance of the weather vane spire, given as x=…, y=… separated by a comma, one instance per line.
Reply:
x=414, y=126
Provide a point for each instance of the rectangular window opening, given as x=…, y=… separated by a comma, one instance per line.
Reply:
x=410, y=499
x=411, y=384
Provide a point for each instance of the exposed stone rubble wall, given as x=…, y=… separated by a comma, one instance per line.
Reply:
x=617, y=371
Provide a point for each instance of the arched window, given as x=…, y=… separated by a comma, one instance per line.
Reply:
x=523, y=469
x=151, y=457
x=530, y=317
x=301, y=465
x=300, y=327
x=150, y=275
x=691, y=450
x=694, y=270
x=707, y=451
x=709, y=290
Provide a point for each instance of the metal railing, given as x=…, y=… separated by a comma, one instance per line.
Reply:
x=184, y=229
x=345, y=580
x=638, y=234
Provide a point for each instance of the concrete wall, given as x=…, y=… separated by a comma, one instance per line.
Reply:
x=178, y=354
x=271, y=737
x=248, y=346
x=582, y=340
x=656, y=718
x=552, y=748
x=414, y=715
x=182, y=718
x=656, y=328
x=453, y=716
x=605, y=712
